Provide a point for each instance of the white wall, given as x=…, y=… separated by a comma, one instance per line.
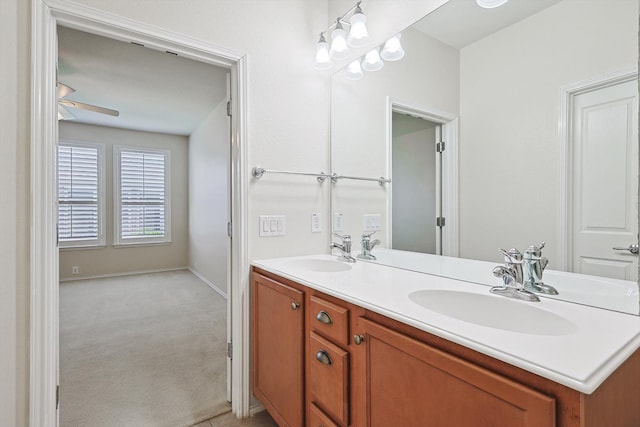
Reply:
x=509, y=108
x=110, y=260
x=208, y=198
x=414, y=184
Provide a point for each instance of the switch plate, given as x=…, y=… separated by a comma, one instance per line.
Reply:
x=371, y=222
x=316, y=223
x=272, y=225
x=338, y=223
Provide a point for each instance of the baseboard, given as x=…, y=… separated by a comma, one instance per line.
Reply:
x=128, y=273
x=209, y=283
x=255, y=408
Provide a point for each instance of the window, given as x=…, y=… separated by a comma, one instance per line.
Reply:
x=142, y=196
x=80, y=194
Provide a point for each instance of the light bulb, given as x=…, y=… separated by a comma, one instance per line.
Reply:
x=322, y=61
x=490, y=4
x=354, y=71
x=339, y=48
x=358, y=34
x=372, y=61
x=392, y=50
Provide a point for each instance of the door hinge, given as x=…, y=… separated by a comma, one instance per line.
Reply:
x=57, y=396
x=230, y=229
x=229, y=108
x=440, y=147
x=440, y=221
x=230, y=350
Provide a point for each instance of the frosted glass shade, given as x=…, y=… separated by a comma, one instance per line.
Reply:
x=358, y=34
x=490, y=4
x=339, y=49
x=392, y=50
x=322, y=60
x=354, y=71
x=372, y=61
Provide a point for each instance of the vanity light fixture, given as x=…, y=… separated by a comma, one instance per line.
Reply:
x=490, y=4
x=341, y=41
x=354, y=71
x=392, y=50
x=372, y=61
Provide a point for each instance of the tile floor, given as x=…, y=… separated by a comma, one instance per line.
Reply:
x=261, y=419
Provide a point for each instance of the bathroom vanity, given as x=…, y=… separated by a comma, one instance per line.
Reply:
x=338, y=344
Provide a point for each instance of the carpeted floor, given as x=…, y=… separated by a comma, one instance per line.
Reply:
x=143, y=350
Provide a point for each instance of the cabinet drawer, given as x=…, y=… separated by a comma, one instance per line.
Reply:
x=317, y=418
x=328, y=378
x=329, y=320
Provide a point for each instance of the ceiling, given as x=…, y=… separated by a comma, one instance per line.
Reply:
x=459, y=23
x=154, y=91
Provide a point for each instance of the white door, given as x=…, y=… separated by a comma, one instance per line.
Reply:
x=605, y=181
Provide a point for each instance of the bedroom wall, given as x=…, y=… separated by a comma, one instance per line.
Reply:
x=111, y=260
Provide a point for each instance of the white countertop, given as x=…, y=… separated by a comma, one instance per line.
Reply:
x=582, y=360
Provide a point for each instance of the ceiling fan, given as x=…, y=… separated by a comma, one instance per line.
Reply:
x=63, y=104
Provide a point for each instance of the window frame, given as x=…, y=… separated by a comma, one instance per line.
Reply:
x=99, y=241
x=118, y=240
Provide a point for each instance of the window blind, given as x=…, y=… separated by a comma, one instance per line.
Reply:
x=78, y=193
x=142, y=194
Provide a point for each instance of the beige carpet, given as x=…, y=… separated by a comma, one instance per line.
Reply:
x=143, y=350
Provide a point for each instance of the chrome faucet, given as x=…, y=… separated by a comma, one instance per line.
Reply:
x=344, y=248
x=367, y=246
x=533, y=266
x=512, y=277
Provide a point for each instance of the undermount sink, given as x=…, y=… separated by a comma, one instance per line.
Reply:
x=494, y=312
x=319, y=265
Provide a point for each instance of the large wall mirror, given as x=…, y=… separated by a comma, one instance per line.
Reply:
x=537, y=105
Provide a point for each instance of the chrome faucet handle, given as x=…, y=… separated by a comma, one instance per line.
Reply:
x=512, y=256
x=369, y=234
x=343, y=236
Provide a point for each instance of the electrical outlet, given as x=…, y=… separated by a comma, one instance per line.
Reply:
x=75, y=270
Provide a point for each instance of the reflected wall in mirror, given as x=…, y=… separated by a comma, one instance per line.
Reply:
x=503, y=80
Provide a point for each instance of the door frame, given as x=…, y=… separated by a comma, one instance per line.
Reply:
x=449, y=134
x=44, y=303
x=565, y=155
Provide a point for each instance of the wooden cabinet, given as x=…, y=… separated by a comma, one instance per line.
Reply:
x=319, y=361
x=409, y=383
x=278, y=349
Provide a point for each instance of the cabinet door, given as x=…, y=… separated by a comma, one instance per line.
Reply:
x=278, y=349
x=409, y=383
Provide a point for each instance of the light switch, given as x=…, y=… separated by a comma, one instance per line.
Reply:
x=371, y=222
x=272, y=225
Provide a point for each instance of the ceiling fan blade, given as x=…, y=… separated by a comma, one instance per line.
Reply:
x=64, y=90
x=89, y=107
x=64, y=114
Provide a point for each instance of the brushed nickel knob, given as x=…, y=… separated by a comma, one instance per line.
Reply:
x=358, y=339
x=295, y=306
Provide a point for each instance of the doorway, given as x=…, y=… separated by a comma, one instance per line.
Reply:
x=422, y=147
x=161, y=181
x=417, y=185
x=44, y=256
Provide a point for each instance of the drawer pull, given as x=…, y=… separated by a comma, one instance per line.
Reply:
x=324, y=317
x=323, y=357
x=295, y=306
x=358, y=339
